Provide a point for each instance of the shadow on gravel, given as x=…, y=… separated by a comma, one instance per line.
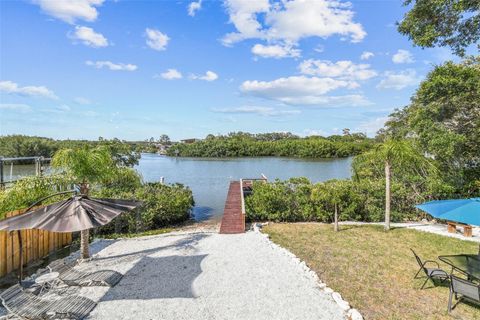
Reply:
x=158, y=278
x=187, y=242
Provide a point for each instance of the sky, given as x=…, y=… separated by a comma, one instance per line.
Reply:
x=137, y=69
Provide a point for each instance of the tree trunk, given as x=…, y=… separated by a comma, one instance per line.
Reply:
x=335, y=226
x=387, y=194
x=84, y=234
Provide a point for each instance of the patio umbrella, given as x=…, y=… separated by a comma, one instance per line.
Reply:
x=465, y=211
x=76, y=213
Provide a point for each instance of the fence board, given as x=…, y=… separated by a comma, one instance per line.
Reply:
x=36, y=245
x=3, y=252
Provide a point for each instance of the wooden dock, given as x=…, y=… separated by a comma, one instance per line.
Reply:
x=233, y=220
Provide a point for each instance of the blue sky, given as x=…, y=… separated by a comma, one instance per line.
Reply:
x=138, y=69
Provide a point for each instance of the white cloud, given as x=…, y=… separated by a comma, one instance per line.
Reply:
x=193, y=7
x=89, y=37
x=399, y=80
x=371, y=127
x=70, y=11
x=263, y=111
x=290, y=21
x=275, y=51
x=349, y=100
x=315, y=132
x=366, y=55
x=171, y=74
x=403, y=56
x=11, y=87
x=64, y=107
x=319, y=48
x=23, y=108
x=302, y=90
x=112, y=66
x=82, y=100
x=296, y=85
x=209, y=76
x=243, y=15
x=156, y=39
x=340, y=69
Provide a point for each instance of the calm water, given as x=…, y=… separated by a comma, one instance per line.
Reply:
x=16, y=171
x=209, y=178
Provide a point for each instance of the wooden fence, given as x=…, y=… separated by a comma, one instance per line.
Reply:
x=37, y=244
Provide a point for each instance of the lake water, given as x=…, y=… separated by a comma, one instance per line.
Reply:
x=209, y=178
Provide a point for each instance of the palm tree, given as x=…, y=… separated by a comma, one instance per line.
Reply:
x=334, y=190
x=86, y=166
x=400, y=154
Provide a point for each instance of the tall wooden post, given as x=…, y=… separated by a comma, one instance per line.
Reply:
x=20, y=244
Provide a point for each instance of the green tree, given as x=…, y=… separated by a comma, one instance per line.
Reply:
x=85, y=166
x=444, y=119
x=452, y=23
x=164, y=140
x=334, y=191
x=122, y=152
x=394, y=153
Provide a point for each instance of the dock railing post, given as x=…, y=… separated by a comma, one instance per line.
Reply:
x=1, y=173
x=242, y=197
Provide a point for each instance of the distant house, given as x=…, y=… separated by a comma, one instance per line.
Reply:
x=188, y=141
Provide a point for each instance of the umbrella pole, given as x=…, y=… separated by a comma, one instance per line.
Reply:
x=20, y=243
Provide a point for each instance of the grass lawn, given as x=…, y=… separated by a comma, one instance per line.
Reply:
x=374, y=269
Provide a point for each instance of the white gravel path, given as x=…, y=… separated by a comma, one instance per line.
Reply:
x=206, y=276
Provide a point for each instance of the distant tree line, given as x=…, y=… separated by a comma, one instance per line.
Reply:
x=241, y=144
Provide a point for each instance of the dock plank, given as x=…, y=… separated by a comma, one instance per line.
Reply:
x=233, y=220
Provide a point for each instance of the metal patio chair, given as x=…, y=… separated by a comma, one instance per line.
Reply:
x=26, y=305
x=431, y=273
x=72, y=277
x=462, y=289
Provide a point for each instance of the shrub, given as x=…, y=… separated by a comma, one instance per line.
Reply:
x=164, y=204
x=298, y=199
x=28, y=190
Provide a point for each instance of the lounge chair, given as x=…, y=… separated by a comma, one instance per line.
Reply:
x=462, y=289
x=431, y=273
x=26, y=305
x=72, y=277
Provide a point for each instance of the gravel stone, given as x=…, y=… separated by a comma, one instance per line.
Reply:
x=205, y=276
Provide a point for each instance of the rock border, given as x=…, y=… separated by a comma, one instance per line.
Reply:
x=350, y=313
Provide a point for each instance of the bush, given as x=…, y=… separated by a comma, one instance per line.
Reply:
x=164, y=204
x=28, y=190
x=298, y=199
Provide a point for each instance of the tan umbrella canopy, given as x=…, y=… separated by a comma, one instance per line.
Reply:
x=77, y=213
x=74, y=214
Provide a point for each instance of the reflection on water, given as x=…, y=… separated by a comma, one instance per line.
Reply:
x=209, y=178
